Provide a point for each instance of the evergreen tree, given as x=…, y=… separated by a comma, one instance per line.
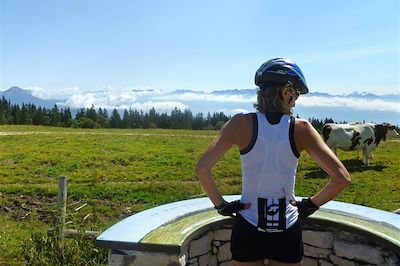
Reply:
x=38, y=117
x=126, y=119
x=136, y=118
x=81, y=113
x=55, y=117
x=198, y=122
x=25, y=116
x=115, y=120
x=92, y=114
x=164, y=121
x=103, y=118
x=187, y=119
x=66, y=117
x=3, y=111
x=152, y=118
x=15, y=117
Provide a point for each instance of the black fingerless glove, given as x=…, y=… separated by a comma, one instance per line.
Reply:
x=305, y=207
x=229, y=208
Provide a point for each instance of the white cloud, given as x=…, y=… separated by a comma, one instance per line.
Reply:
x=111, y=99
x=240, y=110
x=209, y=96
x=159, y=106
x=349, y=102
x=62, y=94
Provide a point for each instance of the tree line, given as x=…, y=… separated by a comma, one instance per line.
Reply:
x=30, y=114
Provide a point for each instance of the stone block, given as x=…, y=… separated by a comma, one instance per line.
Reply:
x=318, y=239
x=224, y=252
x=325, y=263
x=365, y=253
x=216, y=243
x=204, y=259
x=227, y=263
x=315, y=252
x=340, y=261
x=214, y=250
x=350, y=237
x=118, y=257
x=393, y=260
x=119, y=260
x=200, y=246
x=213, y=261
x=223, y=234
x=139, y=258
x=309, y=262
x=196, y=263
x=193, y=261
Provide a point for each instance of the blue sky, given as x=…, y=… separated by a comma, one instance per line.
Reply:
x=341, y=46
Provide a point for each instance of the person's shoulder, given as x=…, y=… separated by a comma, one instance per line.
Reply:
x=240, y=121
x=302, y=125
x=242, y=117
x=302, y=122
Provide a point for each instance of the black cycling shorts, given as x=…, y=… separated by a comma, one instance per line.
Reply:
x=249, y=244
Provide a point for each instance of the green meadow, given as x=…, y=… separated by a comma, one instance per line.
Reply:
x=115, y=173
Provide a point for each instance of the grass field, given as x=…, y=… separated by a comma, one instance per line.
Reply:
x=120, y=172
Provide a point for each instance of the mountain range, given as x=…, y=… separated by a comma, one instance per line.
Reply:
x=354, y=106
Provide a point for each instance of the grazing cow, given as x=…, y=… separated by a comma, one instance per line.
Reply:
x=356, y=136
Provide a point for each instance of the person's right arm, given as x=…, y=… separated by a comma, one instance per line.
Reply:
x=226, y=138
x=308, y=139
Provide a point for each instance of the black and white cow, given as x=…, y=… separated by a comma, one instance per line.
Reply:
x=365, y=137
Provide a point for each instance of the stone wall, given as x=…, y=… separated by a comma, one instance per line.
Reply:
x=190, y=232
x=212, y=248
x=323, y=246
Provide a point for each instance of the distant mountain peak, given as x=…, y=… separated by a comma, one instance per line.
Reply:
x=17, y=95
x=16, y=89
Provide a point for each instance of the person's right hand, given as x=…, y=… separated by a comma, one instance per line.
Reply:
x=231, y=208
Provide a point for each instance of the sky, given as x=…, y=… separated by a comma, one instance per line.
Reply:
x=56, y=47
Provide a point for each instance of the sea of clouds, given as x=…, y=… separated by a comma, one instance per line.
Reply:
x=347, y=107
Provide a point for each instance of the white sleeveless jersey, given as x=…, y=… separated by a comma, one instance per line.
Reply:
x=269, y=166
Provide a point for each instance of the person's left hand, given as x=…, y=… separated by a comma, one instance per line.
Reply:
x=305, y=207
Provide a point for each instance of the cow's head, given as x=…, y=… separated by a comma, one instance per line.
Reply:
x=391, y=130
x=385, y=130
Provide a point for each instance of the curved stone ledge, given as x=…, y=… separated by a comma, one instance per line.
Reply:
x=180, y=231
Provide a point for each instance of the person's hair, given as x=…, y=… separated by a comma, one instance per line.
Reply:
x=269, y=98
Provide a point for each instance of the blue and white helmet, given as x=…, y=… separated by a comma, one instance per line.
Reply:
x=281, y=71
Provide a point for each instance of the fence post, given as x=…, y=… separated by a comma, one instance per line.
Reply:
x=62, y=208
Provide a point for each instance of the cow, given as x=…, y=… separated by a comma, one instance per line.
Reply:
x=355, y=136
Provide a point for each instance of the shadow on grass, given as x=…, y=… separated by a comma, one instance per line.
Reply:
x=352, y=165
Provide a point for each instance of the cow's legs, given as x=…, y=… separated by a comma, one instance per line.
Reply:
x=366, y=156
x=370, y=155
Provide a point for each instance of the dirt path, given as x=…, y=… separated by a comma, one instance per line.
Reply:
x=17, y=133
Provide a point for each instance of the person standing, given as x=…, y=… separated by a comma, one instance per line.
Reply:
x=270, y=141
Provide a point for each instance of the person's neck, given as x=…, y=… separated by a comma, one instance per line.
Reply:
x=274, y=117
